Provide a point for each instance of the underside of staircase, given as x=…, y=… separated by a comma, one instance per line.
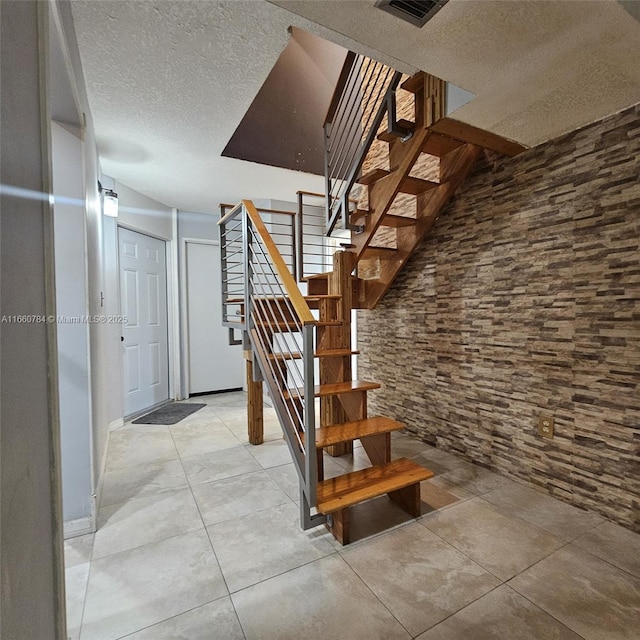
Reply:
x=362, y=272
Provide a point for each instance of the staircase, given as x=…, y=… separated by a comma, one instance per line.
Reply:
x=290, y=339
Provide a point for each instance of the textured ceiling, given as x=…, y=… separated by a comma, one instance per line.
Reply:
x=169, y=81
x=284, y=124
x=539, y=68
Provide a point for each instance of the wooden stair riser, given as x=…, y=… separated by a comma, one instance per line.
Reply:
x=407, y=499
x=377, y=447
x=374, y=434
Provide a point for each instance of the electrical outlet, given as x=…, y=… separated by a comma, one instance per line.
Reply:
x=545, y=427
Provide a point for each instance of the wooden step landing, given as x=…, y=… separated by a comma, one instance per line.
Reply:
x=334, y=389
x=410, y=185
x=347, y=431
x=468, y=133
x=350, y=489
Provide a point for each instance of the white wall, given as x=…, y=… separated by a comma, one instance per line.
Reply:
x=73, y=336
x=31, y=563
x=140, y=213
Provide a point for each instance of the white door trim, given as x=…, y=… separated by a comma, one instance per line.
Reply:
x=174, y=309
x=173, y=301
x=172, y=327
x=184, y=319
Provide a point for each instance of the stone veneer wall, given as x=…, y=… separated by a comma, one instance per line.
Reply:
x=525, y=301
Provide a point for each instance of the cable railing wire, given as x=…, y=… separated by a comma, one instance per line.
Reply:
x=350, y=129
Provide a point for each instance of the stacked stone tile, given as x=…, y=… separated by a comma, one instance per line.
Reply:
x=525, y=301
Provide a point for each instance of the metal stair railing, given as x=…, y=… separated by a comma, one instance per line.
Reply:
x=365, y=92
x=278, y=327
x=315, y=248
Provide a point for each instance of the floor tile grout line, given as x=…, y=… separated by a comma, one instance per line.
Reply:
x=215, y=555
x=595, y=555
x=565, y=544
x=374, y=594
x=213, y=551
x=156, y=494
x=433, y=626
x=504, y=512
x=284, y=573
x=150, y=542
x=153, y=624
x=340, y=552
x=541, y=608
x=464, y=553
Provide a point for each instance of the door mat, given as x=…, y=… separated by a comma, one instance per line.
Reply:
x=171, y=414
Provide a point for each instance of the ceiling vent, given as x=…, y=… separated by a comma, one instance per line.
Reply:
x=417, y=12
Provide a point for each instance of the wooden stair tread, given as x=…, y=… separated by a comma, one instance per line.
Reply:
x=377, y=252
x=325, y=353
x=388, y=136
x=294, y=355
x=416, y=186
x=344, y=491
x=414, y=83
x=334, y=353
x=294, y=325
x=393, y=220
x=347, y=431
x=388, y=220
x=283, y=298
x=372, y=176
x=336, y=388
x=440, y=145
x=315, y=276
x=412, y=186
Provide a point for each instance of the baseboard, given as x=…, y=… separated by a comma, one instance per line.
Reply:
x=79, y=527
x=116, y=424
x=112, y=426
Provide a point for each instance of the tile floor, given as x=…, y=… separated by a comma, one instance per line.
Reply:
x=199, y=539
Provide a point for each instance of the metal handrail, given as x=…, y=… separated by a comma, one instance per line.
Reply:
x=278, y=327
x=365, y=90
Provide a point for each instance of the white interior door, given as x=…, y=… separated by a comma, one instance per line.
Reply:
x=214, y=365
x=143, y=296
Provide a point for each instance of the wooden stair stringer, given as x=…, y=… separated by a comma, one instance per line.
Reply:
x=454, y=168
x=383, y=191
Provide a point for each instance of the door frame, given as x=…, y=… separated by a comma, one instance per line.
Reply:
x=172, y=330
x=184, y=316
